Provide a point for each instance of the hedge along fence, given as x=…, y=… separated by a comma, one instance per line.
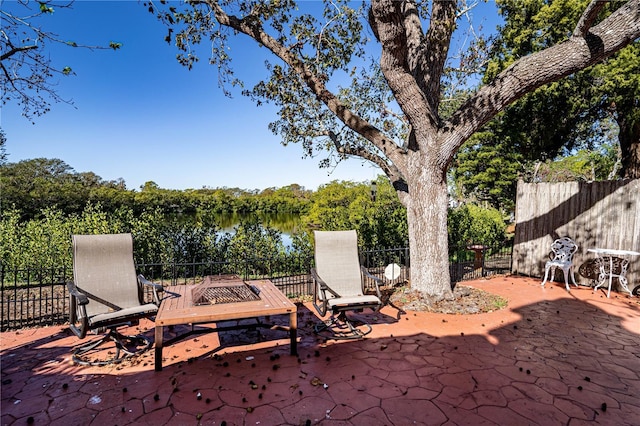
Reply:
x=38, y=296
x=593, y=214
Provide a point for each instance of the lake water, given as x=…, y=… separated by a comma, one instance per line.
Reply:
x=286, y=223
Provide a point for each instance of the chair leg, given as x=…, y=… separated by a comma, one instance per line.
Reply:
x=546, y=275
x=566, y=279
x=342, y=328
x=400, y=310
x=573, y=276
x=386, y=300
x=125, y=347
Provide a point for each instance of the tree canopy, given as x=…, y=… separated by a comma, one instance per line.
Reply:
x=569, y=113
x=29, y=185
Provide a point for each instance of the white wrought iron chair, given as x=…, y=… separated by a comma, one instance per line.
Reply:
x=339, y=285
x=562, y=251
x=107, y=294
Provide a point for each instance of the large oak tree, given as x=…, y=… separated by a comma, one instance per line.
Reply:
x=312, y=50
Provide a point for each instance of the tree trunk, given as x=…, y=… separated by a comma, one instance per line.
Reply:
x=629, y=138
x=427, y=204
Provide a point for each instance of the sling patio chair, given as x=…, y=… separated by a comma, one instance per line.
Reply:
x=106, y=294
x=339, y=285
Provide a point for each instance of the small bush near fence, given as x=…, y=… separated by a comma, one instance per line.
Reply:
x=38, y=297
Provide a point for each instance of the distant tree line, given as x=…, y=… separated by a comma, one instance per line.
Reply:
x=31, y=185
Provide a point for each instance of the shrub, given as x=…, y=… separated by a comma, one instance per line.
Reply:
x=474, y=224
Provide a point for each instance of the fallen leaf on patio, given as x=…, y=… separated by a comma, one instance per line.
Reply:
x=316, y=381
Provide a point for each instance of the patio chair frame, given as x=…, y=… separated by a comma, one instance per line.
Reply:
x=92, y=313
x=327, y=299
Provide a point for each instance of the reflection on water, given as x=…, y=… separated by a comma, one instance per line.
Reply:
x=286, y=223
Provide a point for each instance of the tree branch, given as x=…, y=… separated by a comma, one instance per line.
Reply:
x=15, y=50
x=588, y=17
x=434, y=53
x=530, y=72
x=253, y=29
x=387, y=20
x=389, y=169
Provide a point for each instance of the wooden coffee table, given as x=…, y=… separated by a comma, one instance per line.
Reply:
x=177, y=308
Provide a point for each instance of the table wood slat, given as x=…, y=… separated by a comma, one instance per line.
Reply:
x=179, y=309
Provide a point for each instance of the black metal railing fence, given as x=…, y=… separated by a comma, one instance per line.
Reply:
x=39, y=297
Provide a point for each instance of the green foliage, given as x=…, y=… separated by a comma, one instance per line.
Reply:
x=42, y=242
x=347, y=205
x=585, y=165
x=146, y=230
x=385, y=222
x=45, y=8
x=45, y=242
x=472, y=224
x=30, y=184
x=10, y=233
x=337, y=206
x=160, y=238
x=568, y=119
x=570, y=113
x=486, y=169
x=302, y=244
x=252, y=241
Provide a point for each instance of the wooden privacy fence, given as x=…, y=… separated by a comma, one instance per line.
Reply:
x=596, y=214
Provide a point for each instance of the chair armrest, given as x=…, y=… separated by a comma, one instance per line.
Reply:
x=319, y=293
x=157, y=288
x=323, y=285
x=78, y=311
x=144, y=281
x=81, y=298
x=377, y=281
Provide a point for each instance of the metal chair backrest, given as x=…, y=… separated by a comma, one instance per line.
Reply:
x=563, y=249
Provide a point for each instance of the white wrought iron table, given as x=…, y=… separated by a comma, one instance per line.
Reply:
x=610, y=273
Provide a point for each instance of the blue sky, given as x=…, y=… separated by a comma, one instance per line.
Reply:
x=140, y=116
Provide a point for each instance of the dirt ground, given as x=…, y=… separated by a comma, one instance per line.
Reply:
x=466, y=300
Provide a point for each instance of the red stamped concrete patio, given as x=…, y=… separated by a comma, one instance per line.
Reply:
x=550, y=358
